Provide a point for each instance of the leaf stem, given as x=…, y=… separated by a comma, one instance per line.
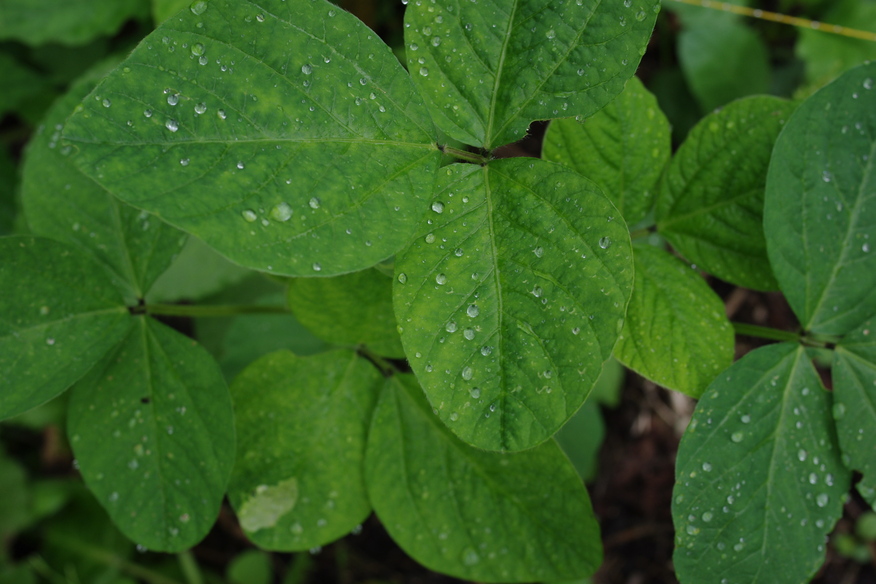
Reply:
x=209, y=310
x=763, y=332
x=464, y=155
x=639, y=233
x=385, y=367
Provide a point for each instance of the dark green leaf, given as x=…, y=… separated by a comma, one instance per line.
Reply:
x=61, y=203
x=623, y=148
x=819, y=211
x=284, y=134
x=164, y=9
x=854, y=408
x=581, y=437
x=251, y=567
x=8, y=203
x=512, y=297
x=489, y=68
x=759, y=477
x=710, y=205
x=348, y=310
x=486, y=516
x=302, y=425
x=71, y=22
x=59, y=315
x=676, y=332
x=15, y=511
x=152, y=429
x=20, y=82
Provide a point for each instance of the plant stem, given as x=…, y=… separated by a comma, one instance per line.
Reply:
x=211, y=310
x=464, y=155
x=762, y=332
x=189, y=567
x=386, y=368
x=638, y=233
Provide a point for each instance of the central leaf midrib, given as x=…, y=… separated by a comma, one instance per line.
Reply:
x=488, y=137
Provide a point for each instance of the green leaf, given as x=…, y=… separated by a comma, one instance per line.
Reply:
x=676, y=332
x=348, y=310
x=476, y=515
x=61, y=203
x=475, y=62
x=854, y=404
x=818, y=212
x=759, y=481
x=722, y=60
x=710, y=205
x=828, y=55
x=8, y=202
x=298, y=147
x=197, y=271
x=512, y=298
x=251, y=567
x=152, y=429
x=15, y=511
x=623, y=148
x=59, y=315
x=302, y=425
x=251, y=336
x=70, y=22
x=164, y=9
x=581, y=438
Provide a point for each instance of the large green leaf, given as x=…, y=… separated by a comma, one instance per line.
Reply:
x=489, y=68
x=152, y=429
x=623, y=148
x=854, y=409
x=819, y=211
x=61, y=203
x=710, y=205
x=676, y=332
x=20, y=83
x=485, y=516
x=759, y=478
x=512, y=297
x=302, y=425
x=8, y=202
x=59, y=315
x=284, y=134
x=828, y=55
x=71, y=22
x=348, y=310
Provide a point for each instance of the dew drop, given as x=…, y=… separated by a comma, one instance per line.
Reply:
x=822, y=499
x=402, y=278
x=281, y=212
x=184, y=162
x=147, y=113
x=467, y=373
x=472, y=311
x=306, y=69
x=475, y=392
x=605, y=242
x=539, y=251
x=107, y=103
x=314, y=203
x=486, y=350
x=249, y=215
x=197, y=49
x=50, y=341
x=317, y=267
x=736, y=437
x=198, y=7
x=441, y=279
x=450, y=327
x=468, y=334
x=240, y=165
x=173, y=99
x=222, y=115
x=438, y=207
x=171, y=125
x=424, y=71
x=200, y=108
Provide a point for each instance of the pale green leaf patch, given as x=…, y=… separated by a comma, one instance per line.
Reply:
x=62, y=203
x=512, y=297
x=59, y=315
x=69, y=22
x=759, y=483
x=854, y=404
x=286, y=135
x=485, y=516
x=348, y=310
x=302, y=424
x=676, y=332
x=623, y=148
x=488, y=69
x=710, y=205
x=819, y=211
x=151, y=426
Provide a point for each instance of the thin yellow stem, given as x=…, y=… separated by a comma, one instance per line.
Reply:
x=784, y=19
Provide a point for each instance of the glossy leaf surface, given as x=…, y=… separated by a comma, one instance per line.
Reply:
x=819, y=211
x=511, y=298
x=676, y=332
x=152, y=429
x=710, y=205
x=490, y=68
x=284, y=134
x=854, y=407
x=759, y=480
x=348, y=310
x=59, y=315
x=485, y=516
x=302, y=425
x=62, y=203
x=623, y=148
